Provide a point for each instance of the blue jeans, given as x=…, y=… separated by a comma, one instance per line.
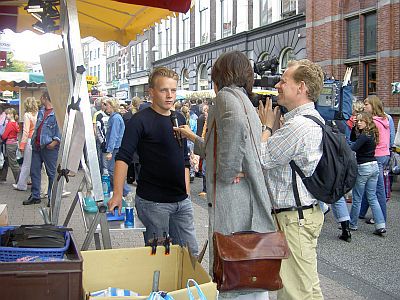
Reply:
x=110, y=168
x=49, y=158
x=175, y=219
x=380, y=189
x=340, y=211
x=367, y=179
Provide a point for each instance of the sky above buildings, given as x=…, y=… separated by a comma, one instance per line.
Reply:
x=27, y=45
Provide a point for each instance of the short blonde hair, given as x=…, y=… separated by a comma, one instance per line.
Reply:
x=161, y=72
x=30, y=104
x=311, y=74
x=358, y=107
x=12, y=112
x=114, y=103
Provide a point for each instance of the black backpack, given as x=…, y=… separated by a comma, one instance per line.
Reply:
x=336, y=171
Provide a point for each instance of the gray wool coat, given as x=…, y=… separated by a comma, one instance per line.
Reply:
x=246, y=205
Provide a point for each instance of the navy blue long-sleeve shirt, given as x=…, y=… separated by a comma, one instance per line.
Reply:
x=162, y=161
x=364, y=147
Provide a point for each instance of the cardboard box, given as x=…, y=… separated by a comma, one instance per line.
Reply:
x=133, y=269
x=3, y=215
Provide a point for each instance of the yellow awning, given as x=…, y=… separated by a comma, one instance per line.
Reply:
x=103, y=19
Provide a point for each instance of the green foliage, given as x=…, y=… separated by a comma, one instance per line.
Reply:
x=14, y=65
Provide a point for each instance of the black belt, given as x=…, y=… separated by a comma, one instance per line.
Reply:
x=293, y=208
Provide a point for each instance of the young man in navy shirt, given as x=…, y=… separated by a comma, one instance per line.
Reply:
x=162, y=198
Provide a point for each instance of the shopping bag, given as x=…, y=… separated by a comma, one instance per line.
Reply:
x=159, y=296
x=199, y=291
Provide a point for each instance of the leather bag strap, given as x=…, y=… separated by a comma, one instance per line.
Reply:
x=259, y=159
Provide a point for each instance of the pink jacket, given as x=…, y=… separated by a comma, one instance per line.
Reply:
x=382, y=149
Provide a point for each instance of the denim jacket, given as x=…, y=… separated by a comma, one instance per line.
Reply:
x=115, y=132
x=50, y=131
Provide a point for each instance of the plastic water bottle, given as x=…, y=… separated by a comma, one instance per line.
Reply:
x=106, y=184
x=129, y=211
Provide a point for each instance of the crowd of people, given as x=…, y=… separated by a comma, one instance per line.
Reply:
x=241, y=153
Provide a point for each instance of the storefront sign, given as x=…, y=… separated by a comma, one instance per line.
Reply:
x=121, y=94
x=5, y=46
x=3, y=59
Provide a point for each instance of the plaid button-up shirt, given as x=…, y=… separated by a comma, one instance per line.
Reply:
x=299, y=139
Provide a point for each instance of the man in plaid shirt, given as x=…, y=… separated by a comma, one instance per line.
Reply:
x=298, y=139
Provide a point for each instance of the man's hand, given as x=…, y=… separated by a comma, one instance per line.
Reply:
x=108, y=156
x=52, y=145
x=115, y=201
x=267, y=114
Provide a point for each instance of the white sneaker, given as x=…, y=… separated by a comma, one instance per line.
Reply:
x=43, y=196
x=15, y=186
x=65, y=194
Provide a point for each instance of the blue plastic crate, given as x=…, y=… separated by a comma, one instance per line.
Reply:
x=8, y=254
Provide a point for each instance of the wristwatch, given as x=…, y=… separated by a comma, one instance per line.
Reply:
x=265, y=127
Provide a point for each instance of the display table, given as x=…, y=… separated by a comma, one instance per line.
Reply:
x=112, y=225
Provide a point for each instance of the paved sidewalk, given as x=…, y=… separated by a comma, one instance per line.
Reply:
x=341, y=287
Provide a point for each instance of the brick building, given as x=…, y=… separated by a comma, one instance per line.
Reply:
x=364, y=35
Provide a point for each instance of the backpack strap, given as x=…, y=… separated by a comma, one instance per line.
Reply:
x=316, y=120
x=295, y=169
x=296, y=192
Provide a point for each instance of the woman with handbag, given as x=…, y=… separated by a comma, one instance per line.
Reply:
x=237, y=195
x=25, y=146
x=10, y=136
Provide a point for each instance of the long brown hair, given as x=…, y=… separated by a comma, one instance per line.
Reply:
x=12, y=112
x=370, y=128
x=376, y=105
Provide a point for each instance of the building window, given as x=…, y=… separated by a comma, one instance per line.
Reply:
x=370, y=34
x=145, y=54
x=353, y=37
x=133, y=59
x=139, y=57
x=108, y=73
x=159, y=44
x=226, y=17
x=98, y=72
x=202, y=78
x=354, y=79
x=98, y=52
x=204, y=22
x=185, y=79
x=186, y=31
x=265, y=12
x=286, y=56
x=167, y=39
x=371, y=78
x=288, y=8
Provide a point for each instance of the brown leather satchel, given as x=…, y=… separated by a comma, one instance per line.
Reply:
x=249, y=260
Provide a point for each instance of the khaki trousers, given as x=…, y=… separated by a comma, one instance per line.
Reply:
x=299, y=272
